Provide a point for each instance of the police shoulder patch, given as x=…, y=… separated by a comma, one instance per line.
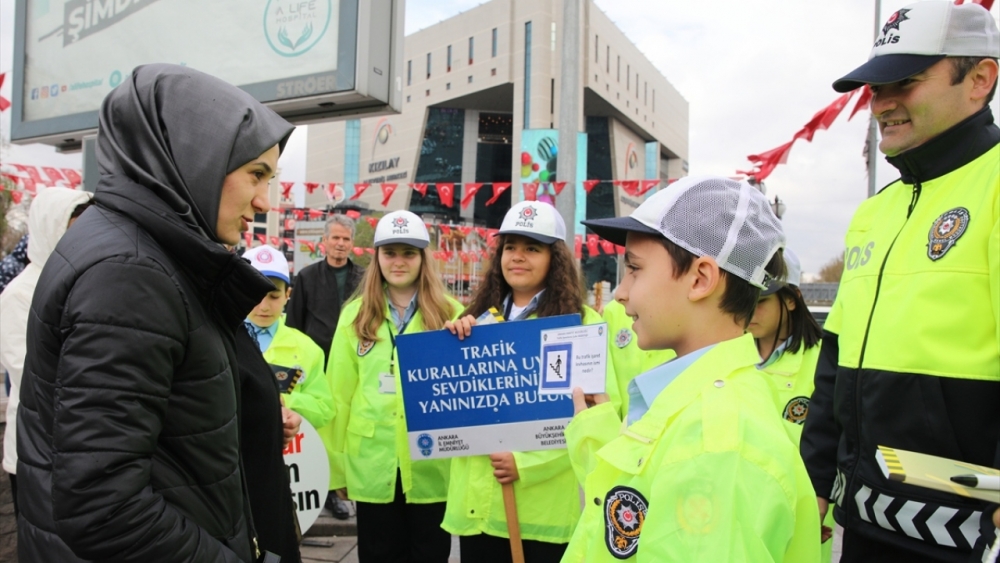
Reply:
x=365, y=346
x=623, y=338
x=945, y=231
x=624, y=514
x=796, y=410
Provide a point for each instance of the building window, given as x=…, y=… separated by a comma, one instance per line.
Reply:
x=493, y=72
x=553, y=36
x=448, y=65
x=407, y=99
x=447, y=86
x=619, y=69
x=428, y=66
x=552, y=97
x=654, y=100
x=607, y=59
x=527, y=74
x=597, y=41
x=637, y=85
x=645, y=93
x=409, y=72
x=628, y=76
x=471, y=50
x=494, y=41
x=470, y=79
x=428, y=94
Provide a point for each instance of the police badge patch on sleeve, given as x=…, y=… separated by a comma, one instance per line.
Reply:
x=624, y=513
x=365, y=346
x=945, y=231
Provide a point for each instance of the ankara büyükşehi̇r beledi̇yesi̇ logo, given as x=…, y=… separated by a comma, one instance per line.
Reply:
x=293, y=27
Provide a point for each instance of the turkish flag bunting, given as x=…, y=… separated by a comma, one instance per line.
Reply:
x=289, y=224
x=14, y=179
x=470, y=194
x=353, y=214
x=620, y=249
x=31, y=171
x=592, y=243
x=646, y=185
x=262, y=239
x=286, y=189
x=331, y=190
x=72, y=176
x=275, y=242
x=863, y=100
x=578, y=246
x=4, y=103
x=289, y=243
x=559, y=186
x=484, y=254
x=16, y=196
x=531, y=191
x=419, y=188
x=310, y=245
x=481, y=231
x=370, y=250
x=299, y=214
x=631, y=187
x=464, y=230
x=248, y=239
x=358, y=251
x=372, y=221
x=315, y=214
x=311, y=186
x=589, y=185
x=498, y=189
x=445, y=230
x=446, y=192
x=359, y=189
x=387, y=191
x=464, y=256
x=608, y=247
x=53, y=174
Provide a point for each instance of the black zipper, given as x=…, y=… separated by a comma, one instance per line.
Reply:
x=864, y=341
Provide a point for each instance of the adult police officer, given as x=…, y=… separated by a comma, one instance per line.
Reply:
x=911, y=353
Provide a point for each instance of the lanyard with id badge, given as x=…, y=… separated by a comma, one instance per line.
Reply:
x=387, y=380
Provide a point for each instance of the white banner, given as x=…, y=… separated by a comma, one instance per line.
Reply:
x=308, y=473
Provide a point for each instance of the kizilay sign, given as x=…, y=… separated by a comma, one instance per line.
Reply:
x=480, y=395
x=308, y=473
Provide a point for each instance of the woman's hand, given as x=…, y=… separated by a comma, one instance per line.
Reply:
x=461, y=327
x=504, y=467
x=583, y=402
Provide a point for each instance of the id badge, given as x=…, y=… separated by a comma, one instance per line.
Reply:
x=387, y=383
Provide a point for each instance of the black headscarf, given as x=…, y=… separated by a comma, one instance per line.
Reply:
x=179, y=132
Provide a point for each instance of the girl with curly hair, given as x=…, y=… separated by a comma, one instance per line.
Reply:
x=532, y=274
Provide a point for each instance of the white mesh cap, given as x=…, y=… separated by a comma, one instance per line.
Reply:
x=725, y=219
x=921, y=34
x=401, y=227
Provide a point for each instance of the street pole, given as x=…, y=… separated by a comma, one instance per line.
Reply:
x=569, y=114
x=873, y=122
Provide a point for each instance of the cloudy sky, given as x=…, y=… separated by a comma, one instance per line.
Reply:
x=753, y=71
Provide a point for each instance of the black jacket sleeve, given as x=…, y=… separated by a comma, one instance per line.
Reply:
x=295, y=312
x=821, y=434
x=125, y=330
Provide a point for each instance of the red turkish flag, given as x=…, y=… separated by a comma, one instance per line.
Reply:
x=608, y=247
x=353, y=214
x=464, y=230
x=372, y=221
x=631, y=187
x=286, y=189
x=331, y=190
x=592, y=243
x=16, y=196
x=578, y=246
x=275, y=242
x=289, y=243
x=299, y=214
x=590, y=184
x=359, y=189
x=419, y=188
x=262, y=239
x=481, y=231
x=358, y=251
x=863, y=100
x=559, y=186
x=315, y=214
x=646, y=185
x=289, y=224
x=620, y=249
x=248, y=239
x=445, y=230
x=53, y=174
x=498, y=189
x=446, y=192
x=4, y=103
x=470, y=193
x=370, y=250
x=531, y=191
x=72, y=176
x=309, y=244
x=311, y=187
x=387, y=191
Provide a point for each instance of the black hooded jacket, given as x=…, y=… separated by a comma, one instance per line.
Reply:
x=128, y=433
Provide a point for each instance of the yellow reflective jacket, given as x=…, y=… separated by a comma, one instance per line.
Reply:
x=628, y=358
x=547, y=492
x=368, y=439
x=709, y=473
x=792, y=376
x=311, y=397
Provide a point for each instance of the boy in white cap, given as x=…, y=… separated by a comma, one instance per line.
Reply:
x=702, y=468
x=285, y=348
x=911, y=349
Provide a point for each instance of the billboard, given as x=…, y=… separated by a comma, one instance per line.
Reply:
x=306, y=59
x=539, y=156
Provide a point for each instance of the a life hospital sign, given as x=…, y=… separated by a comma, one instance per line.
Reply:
x=480, y=395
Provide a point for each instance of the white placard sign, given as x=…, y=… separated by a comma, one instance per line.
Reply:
x=308, y=473
x=574, y=357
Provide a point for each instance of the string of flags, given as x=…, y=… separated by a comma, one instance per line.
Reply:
x=27, y=179
x=446, y=191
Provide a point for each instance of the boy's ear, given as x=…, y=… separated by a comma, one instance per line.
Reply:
x=705, y=277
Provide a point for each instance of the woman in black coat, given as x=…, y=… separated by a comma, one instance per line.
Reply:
x=128, y=431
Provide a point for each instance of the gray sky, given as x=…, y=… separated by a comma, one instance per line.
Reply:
x=753, y=71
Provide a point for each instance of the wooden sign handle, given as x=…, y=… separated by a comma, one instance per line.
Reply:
x=513, y=526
